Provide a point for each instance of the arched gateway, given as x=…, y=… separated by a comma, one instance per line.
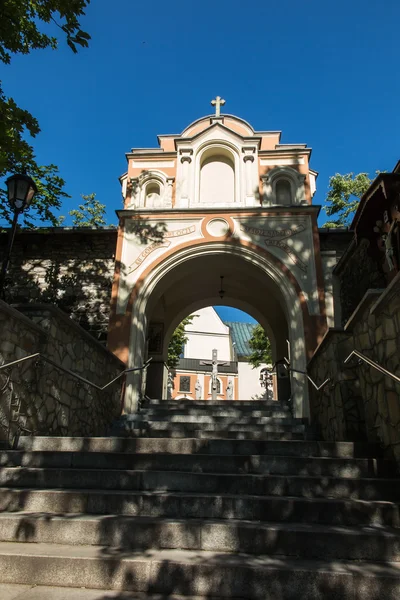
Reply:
x=220, y=199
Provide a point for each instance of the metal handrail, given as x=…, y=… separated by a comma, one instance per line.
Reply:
x=289, y=368
x=373, y=364
x=79, y=377
x=65, y=370
x=317, y=387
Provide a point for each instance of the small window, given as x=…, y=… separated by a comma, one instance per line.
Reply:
x=283, y=192
x=184, y=384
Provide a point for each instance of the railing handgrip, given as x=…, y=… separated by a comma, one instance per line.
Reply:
x=71, y=373
x=373, y=364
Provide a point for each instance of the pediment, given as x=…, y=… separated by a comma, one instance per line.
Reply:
x=216, y=132
x=204, y=123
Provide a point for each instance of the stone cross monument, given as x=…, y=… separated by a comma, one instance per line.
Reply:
x=214, y=373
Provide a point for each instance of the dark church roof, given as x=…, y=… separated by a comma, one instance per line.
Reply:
x=241, y=334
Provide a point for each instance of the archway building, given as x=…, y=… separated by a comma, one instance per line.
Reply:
x=219, y=199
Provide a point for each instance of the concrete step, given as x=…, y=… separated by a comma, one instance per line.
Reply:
x=192, y=463
x=141, y=533
x=204, y=573
x=198, y=446
x=196, y=505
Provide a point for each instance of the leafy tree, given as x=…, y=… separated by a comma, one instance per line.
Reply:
x=178, y=339
x=343, y=197
x=260, y=346
x=21, y=24
x=90, y=213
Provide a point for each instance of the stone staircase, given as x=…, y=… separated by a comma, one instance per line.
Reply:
x=209, y=499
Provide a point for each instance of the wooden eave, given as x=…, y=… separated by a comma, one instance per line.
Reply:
x=380, y=191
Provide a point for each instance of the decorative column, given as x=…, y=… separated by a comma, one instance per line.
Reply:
x=168, y=192
x=248, y=159
x=185, y=160
x=134, y=192
x=266, y=190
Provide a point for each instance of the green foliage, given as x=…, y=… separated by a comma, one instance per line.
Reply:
x=20, y=21
x=20, y=32
x=90, y=213
x=178, y=339
x=343, y=197
x=260, y=346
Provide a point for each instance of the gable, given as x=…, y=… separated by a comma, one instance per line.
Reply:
x=207, y=321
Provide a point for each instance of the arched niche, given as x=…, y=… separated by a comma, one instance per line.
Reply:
x=283, y=186
x=217, y=174
x=152, y=189
x=152, y=194
x=283, y=192
x=217, y=178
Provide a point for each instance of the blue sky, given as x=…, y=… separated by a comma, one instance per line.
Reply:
x=325, y=73
x=227, y=313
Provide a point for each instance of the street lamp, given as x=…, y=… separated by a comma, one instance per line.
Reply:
x=20, y=191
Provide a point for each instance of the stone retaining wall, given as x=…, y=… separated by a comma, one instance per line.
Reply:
x=51, y=401
x=70, y=268
x=358, y=265
x=361, y=402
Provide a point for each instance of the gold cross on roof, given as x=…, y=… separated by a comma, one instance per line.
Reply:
x=218, y=102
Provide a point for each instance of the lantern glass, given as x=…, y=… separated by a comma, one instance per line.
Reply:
x=21, y=190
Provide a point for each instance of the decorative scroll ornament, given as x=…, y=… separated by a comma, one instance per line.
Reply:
x=277, y=237
x=164, y=243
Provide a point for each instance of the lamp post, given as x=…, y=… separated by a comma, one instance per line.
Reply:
x=20, y=191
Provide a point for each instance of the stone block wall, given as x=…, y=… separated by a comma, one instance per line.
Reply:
x=70, y=268
x=337, y=409
x=50, y=401
x=359, y=265
x=368, y=395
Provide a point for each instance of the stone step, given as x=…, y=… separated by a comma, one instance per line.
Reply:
x=14, y=591
x=216, y=411
x=207, y=434
x=139, y=480
x=17, y=463
x=197, y=505
x=221, y=422
x=141, y=533
x=198, y=446
x=233, y=427
x=257, y=404
x=219, y=414
x=186, y=572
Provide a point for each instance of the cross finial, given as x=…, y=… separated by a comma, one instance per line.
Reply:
x=218, y=102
